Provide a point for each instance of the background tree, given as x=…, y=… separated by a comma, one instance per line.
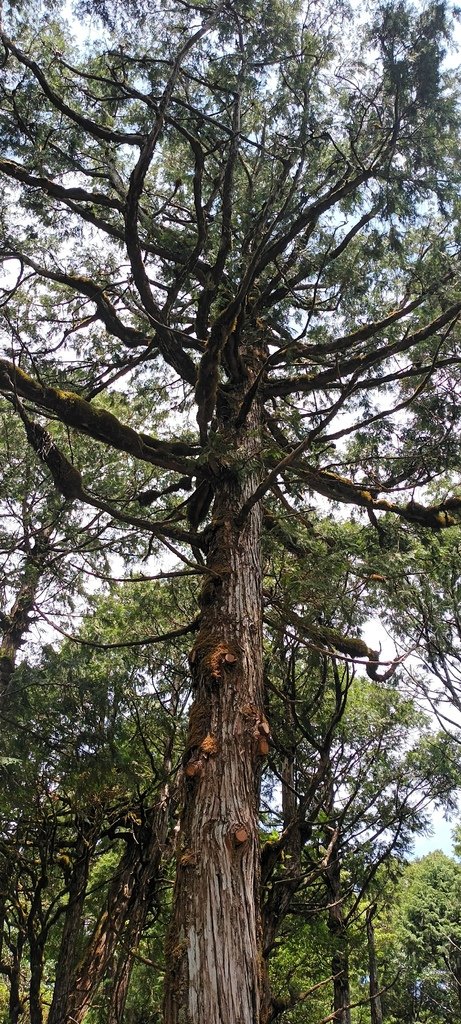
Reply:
x=421, y=943
x=88, y=808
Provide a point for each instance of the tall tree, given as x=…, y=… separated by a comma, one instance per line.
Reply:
x=421, y=943
x=250, y=206
x=87, y=811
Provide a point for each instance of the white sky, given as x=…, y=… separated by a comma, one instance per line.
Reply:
x=440, y=839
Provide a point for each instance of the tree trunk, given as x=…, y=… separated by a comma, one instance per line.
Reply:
x=71, y=936
x=124, y=965
x=36, y=935
x=119, y=988
x=124, y=914
x=16, y=1002
x=458, y=982
x=133, y=929
x=15, y=624
x=35, y=983
x=376, y=1013
x=5, y=874
x=338, y=929
x=341, y=999
x=214, y=942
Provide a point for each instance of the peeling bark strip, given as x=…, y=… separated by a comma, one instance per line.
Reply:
x=214, y=943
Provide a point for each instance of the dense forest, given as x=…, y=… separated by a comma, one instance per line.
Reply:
x=230, y=534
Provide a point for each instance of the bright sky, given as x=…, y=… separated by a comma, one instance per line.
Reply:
x=441, y=838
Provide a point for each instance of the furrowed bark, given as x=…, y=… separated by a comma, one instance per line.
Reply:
x=214, y=942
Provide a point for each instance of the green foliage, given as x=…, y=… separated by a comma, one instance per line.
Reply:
x=422, y=943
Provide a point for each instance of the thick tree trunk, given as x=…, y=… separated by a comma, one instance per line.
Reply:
x=376, y=1013
x=214, y=942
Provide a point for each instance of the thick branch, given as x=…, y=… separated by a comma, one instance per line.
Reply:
x=94, y=129
x=99, y=424
x=334, y=375
x=168, y=345
x=53, y=188
x=85, y=286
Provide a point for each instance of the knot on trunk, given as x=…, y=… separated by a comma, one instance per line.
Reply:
x=240, y=834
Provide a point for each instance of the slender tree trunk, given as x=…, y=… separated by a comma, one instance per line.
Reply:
x=214, y=942
x=145, y=891
x=15, y=1002
x=338, y=930
x=342, y=998
x=16, y=623
x=119, y=988
x=134, y=926
x=36, y=935
x=376, y=1013
x=36, y=975
x=125, y=913
x=278, y=898
x=124, y=965
x=71, y=936
x=5, y=874
x=458, y=982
